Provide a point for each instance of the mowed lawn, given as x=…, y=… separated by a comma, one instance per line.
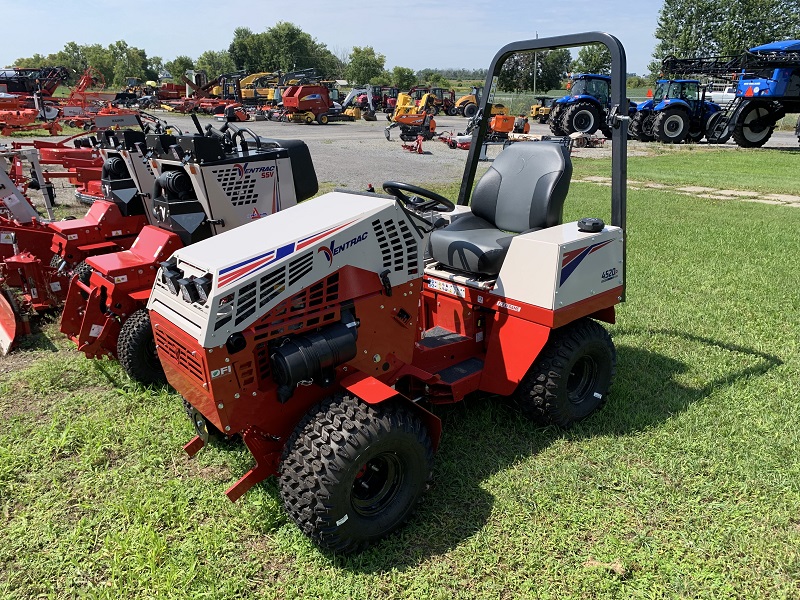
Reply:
x=686, y=485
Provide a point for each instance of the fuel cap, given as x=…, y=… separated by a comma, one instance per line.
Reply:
x=591, y=225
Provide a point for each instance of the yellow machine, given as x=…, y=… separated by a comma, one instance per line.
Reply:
x=406, y=106
x=467, y=105
x=541, y=109
x=259, y=87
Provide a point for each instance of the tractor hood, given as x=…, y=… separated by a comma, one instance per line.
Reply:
x=222, y=285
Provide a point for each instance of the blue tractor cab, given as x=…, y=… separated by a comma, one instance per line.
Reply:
x=678, y=111
x=585, y=108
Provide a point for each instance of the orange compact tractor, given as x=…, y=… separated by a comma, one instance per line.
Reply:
x=325, y=335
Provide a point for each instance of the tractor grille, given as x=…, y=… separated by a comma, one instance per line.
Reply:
x=399, y=249
x=178, y=354
x=260, y=292
x=315, y=306
x=246, y=373
x=240, y=189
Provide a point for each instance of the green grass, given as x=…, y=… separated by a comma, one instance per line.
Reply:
x=761, y=170
x=686, y=485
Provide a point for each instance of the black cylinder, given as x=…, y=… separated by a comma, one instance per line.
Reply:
x=177, y=182
x=305, y=357
x=114, y=168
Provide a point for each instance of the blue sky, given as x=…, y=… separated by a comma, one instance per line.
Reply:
x=418, y=35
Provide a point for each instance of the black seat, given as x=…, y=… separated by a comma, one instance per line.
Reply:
x=524, y=190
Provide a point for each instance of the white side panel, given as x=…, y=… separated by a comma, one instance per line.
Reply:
x=244, y=192
x=558, y=266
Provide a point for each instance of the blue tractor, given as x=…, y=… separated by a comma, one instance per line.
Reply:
x=678, y=111
x=768, y=87
x=585, y=109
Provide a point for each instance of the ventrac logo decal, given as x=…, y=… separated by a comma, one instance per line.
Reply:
x=246, y=268
x=333, y=249
x=264, y=171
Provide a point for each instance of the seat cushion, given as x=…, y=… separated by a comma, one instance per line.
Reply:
x=480, y=252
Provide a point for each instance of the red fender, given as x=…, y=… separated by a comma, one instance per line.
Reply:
x=374, y=391
x=513, y=346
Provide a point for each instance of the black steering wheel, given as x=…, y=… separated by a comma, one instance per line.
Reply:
x=415, y=202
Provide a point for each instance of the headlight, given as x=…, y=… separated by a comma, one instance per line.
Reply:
x=188, y=290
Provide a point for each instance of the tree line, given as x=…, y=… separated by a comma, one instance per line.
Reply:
x=685, y=28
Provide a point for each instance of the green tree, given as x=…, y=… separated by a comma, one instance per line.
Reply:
x=30, y=62
x=549, y=67
x=156, y=65
x=403, y=78
x=384, y=78
x=178, y=66
x=364, y=64
x=594, y=58
x=284, y=47
x=742, y=24
x=553, y=66
x=240, y=49
x=721, y=27
x=102, y=60
x=215, y=63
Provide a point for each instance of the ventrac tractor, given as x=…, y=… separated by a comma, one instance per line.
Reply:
x=201, y=185
x=326, y=334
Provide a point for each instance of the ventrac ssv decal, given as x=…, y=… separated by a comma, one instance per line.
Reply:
x=265, y=171
x=573, y=258
x=243, y=269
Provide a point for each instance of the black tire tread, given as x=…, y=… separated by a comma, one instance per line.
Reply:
x=133, y=336
x=738, y=131
x=556, y=127
x=536, y=394
x=83, y=271
x=636, y=128
x=658, y=127
x=569, y=115
x=314, y=454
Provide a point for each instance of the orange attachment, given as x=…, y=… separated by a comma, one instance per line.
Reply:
x=502, y=123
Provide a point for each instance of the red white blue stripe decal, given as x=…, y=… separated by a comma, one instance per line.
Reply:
x=573, y=258
x=236, y=272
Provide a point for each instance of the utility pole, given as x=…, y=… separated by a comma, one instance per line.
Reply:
x=535, y=67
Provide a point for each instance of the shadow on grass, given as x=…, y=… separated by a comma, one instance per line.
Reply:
x=484, y=436
x=39, y=338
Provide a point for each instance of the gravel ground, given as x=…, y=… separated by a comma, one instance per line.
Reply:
x=355, y=154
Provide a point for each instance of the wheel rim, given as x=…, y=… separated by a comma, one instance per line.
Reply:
x=752, y=127
x=377, y=484
x=581, y=380
x=673, y=126
x=583, y=121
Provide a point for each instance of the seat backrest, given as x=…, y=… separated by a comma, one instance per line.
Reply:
x=525, y=187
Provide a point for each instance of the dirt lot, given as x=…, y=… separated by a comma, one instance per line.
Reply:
x=355, y=154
